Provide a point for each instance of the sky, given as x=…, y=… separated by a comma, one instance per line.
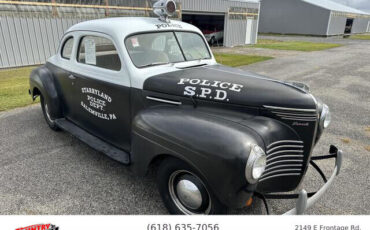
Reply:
x=363, y=5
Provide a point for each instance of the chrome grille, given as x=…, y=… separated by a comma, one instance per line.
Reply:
x=284, y=158
x=294, y=114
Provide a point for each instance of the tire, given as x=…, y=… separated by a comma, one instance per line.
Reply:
x=45, y=110
x=213, y=41
x=173, y=177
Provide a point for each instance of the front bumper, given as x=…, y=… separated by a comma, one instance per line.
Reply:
x=306, y=200
x=303, y=202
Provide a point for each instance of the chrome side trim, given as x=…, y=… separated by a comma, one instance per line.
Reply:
x=295, y=114
x=284, y=141
x=284, y=146
x=164, y=100
x=290, y=109
x=298, y=119
x=280, y=175
x=309, y=115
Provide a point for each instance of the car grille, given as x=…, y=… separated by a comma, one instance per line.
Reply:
x=284, y=158
x=293, y=114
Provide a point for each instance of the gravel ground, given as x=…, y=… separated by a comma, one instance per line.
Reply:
x=46, y=172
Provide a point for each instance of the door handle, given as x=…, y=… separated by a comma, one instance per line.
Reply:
x=72, y=77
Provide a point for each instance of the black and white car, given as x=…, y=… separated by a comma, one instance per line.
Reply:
x=148, y=91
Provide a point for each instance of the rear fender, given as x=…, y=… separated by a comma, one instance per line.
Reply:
x=42, y=82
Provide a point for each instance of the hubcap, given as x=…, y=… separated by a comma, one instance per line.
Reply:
x=47, y=113
x=189, y=193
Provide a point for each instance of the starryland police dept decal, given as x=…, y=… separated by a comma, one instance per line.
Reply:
x=40, y=227
x=96, y=103
x=205, y=89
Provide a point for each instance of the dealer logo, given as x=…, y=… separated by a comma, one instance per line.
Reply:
x=40, y=227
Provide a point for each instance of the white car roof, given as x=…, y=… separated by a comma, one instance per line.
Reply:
x=123, y=26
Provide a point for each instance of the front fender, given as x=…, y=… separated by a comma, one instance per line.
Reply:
x=217, y=148
x=42, y=81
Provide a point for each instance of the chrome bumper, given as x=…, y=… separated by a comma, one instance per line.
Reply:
x=303, y=202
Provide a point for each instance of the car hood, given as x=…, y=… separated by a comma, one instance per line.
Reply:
x=230, y=85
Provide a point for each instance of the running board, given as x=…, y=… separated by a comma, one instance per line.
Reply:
x=93, y=141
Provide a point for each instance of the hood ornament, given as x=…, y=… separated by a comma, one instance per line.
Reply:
x=164, y=9
x=300, y=85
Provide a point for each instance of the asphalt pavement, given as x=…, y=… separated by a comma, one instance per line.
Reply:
x=47, y=172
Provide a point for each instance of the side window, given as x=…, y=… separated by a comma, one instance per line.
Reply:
x=67, y=48
x=99, y=52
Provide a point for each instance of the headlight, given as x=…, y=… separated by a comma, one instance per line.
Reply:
x=256, y=164
x=325, y=117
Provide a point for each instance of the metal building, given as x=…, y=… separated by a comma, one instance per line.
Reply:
x=311, y=17
x=30, y=30
x=238, y=19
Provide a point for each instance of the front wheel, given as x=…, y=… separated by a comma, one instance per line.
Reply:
x=213, y=41
x=183, y=192
x=46, y=111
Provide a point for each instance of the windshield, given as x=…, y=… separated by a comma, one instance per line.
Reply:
x=160, y=48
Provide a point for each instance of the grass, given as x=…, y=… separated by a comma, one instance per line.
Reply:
x=361, y=37
x=14, y=85
x=294, y=45
x=235, y=60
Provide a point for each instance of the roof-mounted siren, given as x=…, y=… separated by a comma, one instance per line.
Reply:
x=164, y=9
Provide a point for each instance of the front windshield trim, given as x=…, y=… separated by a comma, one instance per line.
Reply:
x=174, y=32
x=178, y=43
x=204, y=42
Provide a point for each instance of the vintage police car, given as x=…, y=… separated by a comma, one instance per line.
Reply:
x=148, y=91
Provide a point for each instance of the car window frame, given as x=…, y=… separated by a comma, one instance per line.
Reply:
x=97, y=34
x=166, y=31
x=122, y=77
x=63, y=45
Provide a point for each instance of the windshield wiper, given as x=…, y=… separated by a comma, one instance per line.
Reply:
x=191, y=66
x=154, y=64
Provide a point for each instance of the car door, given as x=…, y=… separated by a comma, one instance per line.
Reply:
x=64, y=77
x=101, y=90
